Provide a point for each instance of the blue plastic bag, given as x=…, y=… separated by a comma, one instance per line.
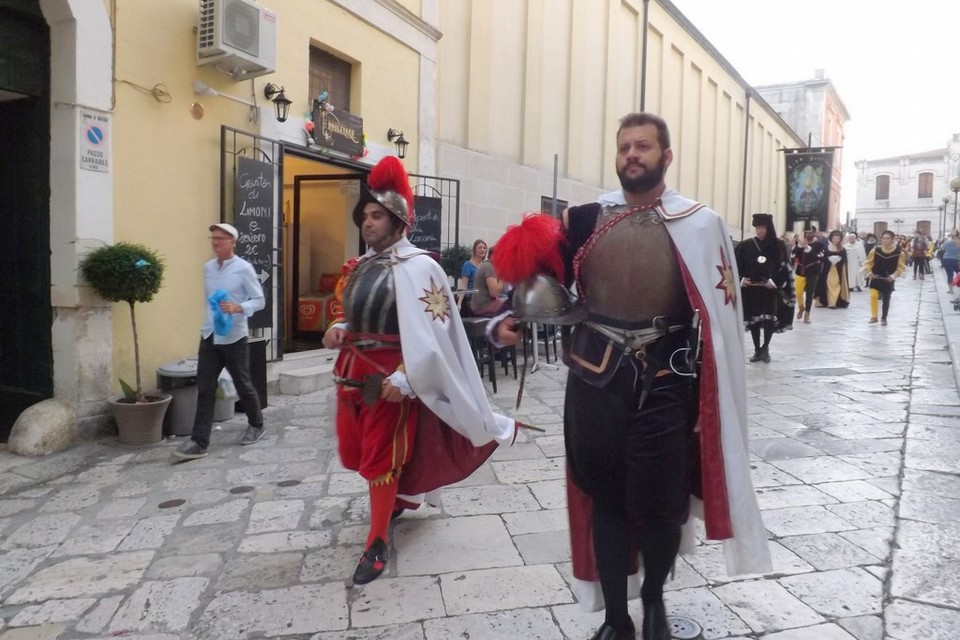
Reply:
x=222, y=322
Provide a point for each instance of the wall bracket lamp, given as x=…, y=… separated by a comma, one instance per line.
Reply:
x=396, y=136
x=281, y=104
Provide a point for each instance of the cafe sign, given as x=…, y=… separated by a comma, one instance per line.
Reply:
x=338, y=130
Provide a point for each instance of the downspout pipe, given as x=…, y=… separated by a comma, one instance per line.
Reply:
x=643, y=57
x=746, y=160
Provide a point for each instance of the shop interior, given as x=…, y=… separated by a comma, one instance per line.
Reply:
x=318, y=199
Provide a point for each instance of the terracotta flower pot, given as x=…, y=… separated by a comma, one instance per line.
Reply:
x=140, y=423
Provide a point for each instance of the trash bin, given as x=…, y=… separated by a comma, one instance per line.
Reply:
x=179, y=379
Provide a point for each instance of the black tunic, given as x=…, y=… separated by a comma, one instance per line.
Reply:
x=884, y=265
x=759, y=262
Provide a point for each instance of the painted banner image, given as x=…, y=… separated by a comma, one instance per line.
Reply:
x=808, y=185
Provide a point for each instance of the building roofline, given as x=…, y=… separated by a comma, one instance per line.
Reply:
x=935, y=153
x=834, y=94
x=748, y=90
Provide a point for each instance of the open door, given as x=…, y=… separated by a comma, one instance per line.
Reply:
x=323, y=238
x=26, y=317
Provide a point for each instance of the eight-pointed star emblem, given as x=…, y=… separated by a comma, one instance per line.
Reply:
x=726, y=284
x=435, y=301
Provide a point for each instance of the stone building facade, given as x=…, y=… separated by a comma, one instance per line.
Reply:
x=814, y=110
x=910, y=193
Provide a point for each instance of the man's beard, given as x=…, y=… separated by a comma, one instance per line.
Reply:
x=646, y=181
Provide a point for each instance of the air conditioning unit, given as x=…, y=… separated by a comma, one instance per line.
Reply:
x=238, y=36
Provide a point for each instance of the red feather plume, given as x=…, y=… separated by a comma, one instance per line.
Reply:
x=389, y=175
x=532, y=247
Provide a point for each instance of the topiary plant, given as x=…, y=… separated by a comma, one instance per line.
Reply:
x=129, y=273
x=452, y=259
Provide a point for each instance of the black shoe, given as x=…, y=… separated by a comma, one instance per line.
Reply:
x=609, y=632
x=765, y=354
x=372, y=563
x=190, y=450
x=756, y=356
x=252, y=435
x=655, y=625
x=396, y=513
x=858, y=289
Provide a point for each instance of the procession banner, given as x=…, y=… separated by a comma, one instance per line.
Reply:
x=809, y=172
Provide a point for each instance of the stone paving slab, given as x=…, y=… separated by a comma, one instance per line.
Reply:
x=855, y=460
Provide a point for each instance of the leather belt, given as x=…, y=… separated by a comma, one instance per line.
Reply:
x=635, y=339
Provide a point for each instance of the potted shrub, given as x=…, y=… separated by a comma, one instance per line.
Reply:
x=130, y=273
x=452, y=259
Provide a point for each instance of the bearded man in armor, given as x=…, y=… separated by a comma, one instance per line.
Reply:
x=655, y=420
x=412, y=413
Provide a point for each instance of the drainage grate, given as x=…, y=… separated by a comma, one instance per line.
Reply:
x=170, y=504
x=242, y=489
x=684, y=628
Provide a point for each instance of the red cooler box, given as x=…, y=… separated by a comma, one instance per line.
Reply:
x=316, y=311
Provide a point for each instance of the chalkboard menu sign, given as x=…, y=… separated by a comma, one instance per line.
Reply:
x=426, y=225
x=254, y=213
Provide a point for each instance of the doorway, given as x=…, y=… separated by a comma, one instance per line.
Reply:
x=318, y=202
x=26, y=352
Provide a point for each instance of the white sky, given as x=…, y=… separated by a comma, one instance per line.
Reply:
x=895, y=65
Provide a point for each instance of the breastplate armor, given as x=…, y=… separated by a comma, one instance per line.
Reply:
x=628, y=271
x=370, y=300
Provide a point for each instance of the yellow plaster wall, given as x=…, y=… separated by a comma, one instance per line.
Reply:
x=166, y=164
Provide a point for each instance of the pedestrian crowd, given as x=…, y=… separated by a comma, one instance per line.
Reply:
x=827, y=268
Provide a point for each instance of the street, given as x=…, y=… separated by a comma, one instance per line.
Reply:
x=854, y=435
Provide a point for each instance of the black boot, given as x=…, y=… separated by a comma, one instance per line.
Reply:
x=372, y=562
x=765, y=354
x=609, y=632
x=756, y=357
x=655, y=622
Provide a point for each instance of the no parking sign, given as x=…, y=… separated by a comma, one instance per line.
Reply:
x=94, y=141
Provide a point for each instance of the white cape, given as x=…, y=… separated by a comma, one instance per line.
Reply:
x=437, y=357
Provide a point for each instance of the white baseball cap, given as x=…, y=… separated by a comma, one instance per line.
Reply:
x=226, y=228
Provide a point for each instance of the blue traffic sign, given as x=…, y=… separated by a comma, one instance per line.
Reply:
x=95, y=135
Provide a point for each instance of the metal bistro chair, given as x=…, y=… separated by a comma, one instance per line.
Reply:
x=546, y=333
x=485, y=354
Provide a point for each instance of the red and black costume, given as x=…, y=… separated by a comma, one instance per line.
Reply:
x=398, y=325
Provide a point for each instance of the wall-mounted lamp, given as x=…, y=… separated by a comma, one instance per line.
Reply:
x=396, y=136
x=281, y=104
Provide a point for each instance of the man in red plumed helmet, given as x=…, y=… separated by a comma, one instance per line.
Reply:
x=407, y=383
x=652, y=433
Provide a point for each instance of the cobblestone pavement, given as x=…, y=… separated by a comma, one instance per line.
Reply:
x=855, y=455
